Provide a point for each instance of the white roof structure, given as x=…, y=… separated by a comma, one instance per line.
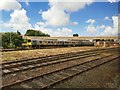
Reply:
x=72, y=38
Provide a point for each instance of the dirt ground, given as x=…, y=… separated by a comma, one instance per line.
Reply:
x=27, y=54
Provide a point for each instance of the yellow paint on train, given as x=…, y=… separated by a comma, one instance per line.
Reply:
x=29, y=43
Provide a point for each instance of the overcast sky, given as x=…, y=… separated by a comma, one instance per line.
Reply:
x=60, y=18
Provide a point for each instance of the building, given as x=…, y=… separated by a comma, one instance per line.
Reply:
x=105, y=43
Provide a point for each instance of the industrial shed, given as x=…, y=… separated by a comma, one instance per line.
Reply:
x=105, y=43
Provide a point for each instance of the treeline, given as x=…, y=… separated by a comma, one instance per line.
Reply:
x=36, y=33
x=75, y=35
x=15, y=39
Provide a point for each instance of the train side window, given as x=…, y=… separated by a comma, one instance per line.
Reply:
x=29, y=40
x=34, y=41
x=51, y=41
x=48, y=41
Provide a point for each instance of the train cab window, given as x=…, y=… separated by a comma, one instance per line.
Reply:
x=29, y=40
x=40, y=41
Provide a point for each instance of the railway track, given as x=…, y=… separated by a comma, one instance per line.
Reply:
x=41, y=64
x=65, y=61
x=18, y=66
x=51, y=78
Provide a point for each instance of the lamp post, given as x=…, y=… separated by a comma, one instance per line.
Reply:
x=11, y=37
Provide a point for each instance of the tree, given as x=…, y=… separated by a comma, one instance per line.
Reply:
x=98, y=40
x=37, y=33
x=5, y=40
x=18, y=32
x=31, y=32
x=0, y=40
x=75, y=35
x=47, y=35
x=16, y=40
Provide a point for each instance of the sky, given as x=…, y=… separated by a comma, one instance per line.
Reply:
x=86, y=18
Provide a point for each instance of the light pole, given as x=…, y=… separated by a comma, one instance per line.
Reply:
x=11, y=37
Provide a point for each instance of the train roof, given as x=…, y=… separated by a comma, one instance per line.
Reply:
x=73, y=38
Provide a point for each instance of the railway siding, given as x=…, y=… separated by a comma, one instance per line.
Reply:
x=42, y=70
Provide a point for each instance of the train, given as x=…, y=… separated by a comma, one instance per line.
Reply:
x=38, y=42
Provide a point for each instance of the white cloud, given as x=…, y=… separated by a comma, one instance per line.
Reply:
x=112, y=1
x=103, y=30
x=91, y=29
x=107, y=31
x=91, y=21
x=58, y=13
x=75, y=23
x=63, y=32
x=42, y=24
x=71, y=5
x=112, y=30
x=106, y=18
x=19, y=21
x=58, y=32
x=56, y=17
x=101, y=27
x=9, y=5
